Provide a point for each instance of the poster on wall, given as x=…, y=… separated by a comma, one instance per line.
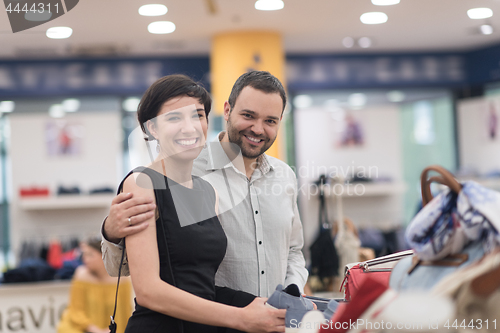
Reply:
x=348, y=131
x=64, y=138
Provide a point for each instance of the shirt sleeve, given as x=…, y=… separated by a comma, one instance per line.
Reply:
x=112, y=254
x=296, y=271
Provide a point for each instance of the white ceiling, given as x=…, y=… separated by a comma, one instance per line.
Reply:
x=307, y=26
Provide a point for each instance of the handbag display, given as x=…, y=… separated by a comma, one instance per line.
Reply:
x=451, y=231
x=378, y=269
x=414, y=273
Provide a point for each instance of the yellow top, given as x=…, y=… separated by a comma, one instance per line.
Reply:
x=93, y=303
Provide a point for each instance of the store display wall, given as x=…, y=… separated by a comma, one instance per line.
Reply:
x=479, y=149
x=95, y=162
x=379, y=157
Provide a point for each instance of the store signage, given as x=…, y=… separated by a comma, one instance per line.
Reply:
x=32, y=307
x=121, y=76
x=372, y=71
x=110, y=76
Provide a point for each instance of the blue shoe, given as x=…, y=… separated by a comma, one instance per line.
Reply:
x=290, y=299
x=330, y=309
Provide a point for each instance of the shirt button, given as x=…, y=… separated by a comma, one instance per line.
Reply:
x=256, y=212
x=260, y=242
x=262, y=272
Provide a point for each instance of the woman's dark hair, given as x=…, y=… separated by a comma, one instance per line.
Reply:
x=167, y=88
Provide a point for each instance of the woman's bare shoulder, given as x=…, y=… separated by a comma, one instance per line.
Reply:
x=83, y=274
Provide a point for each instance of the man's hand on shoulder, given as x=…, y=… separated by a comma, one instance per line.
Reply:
x=127, y=216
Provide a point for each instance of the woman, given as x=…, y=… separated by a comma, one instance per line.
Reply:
x=92, y=297
x=173, y=262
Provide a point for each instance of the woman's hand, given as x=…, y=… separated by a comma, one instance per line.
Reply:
x=257, y=317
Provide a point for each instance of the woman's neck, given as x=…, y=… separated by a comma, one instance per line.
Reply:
x=178, y=171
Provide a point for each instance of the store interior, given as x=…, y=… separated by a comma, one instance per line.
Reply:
x=369, y=107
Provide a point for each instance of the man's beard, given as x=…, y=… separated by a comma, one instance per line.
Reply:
x=237, y=138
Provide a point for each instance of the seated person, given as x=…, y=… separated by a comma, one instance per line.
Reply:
x=92, y=296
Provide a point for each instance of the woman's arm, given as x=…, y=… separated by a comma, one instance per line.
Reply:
x=157, y=295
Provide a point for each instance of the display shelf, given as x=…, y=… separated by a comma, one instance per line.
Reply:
x=67, y=202
x=356, y=190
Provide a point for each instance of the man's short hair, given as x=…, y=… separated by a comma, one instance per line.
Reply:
x=260, y=80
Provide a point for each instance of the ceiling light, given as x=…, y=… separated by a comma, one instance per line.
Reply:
x=7, y=106
x=385, y=2
x=302, y=101
x=153, y=10
x=131, y=104
x=395, y=96
x=357, y=100
x=373, y=18
x=59, y=32
x=486, y=29
x=479, y=13
x=71, y=105
x=365, y=42
x=348, y=42
x=269, y=4
x=161, y=27
x=56, y=111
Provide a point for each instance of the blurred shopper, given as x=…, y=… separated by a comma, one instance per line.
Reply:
x=174, y=260
x=258, y=195
x=92, y=295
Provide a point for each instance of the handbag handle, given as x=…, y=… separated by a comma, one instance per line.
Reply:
x=445, y=177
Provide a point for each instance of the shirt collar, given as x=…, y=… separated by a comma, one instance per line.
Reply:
x=218, y=159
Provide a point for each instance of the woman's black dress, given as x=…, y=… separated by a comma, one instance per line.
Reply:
x=191, y=244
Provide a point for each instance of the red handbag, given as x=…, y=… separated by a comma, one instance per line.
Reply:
x=378, y=269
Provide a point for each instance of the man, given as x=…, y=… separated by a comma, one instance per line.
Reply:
x=258, y=195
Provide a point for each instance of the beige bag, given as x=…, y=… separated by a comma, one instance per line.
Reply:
x=476, y=293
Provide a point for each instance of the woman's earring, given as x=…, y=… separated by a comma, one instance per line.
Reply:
x=157, y=147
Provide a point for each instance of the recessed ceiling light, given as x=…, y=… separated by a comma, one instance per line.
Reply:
x=302, y=101
x=59, y=32
x=365, y=42
x=161, y=27
x=71, y=105
x=357, y=100
x=373, y=18
x=131, y=104
x=396, y=96
x=153, y=10
x=56, y=111
x=486, y=29
x=385, y=2
x=348, y=42
x=479, y=13
x=269, y=4
x=7, y=106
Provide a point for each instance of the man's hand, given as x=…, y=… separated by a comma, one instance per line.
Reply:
x=127, y=216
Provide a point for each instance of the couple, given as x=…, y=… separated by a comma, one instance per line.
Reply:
x=165, y=240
